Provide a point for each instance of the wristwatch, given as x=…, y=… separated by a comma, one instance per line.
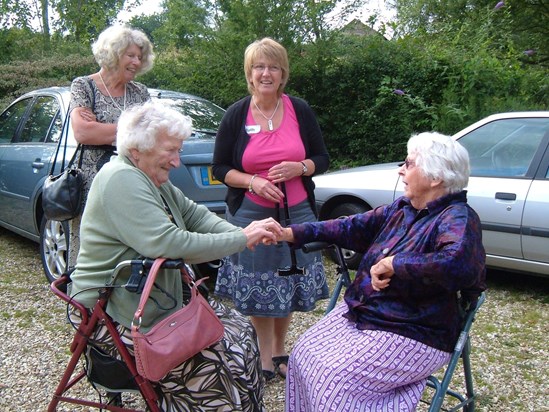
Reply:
x=304, y=168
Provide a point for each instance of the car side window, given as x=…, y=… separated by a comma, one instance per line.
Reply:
x=55, y=132
x=10, y=118
x=41, y=120
x=504, y=148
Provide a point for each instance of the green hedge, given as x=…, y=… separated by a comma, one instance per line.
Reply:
x=369, y=94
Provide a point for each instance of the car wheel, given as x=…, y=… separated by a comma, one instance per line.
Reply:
x=54, y=247
x=352, y=258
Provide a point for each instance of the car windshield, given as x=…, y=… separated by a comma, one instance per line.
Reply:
x=206, y=115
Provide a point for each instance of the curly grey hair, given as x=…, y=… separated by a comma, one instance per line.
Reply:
x=115, y=40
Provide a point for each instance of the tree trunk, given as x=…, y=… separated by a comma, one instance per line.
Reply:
x=45, y=24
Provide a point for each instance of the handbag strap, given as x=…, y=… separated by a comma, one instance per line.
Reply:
x=151, y=277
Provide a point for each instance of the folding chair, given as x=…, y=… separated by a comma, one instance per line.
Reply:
x=128, y=379
x=462, y=350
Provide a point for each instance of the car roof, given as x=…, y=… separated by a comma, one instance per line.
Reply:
x=500, y=116
x=64, y=91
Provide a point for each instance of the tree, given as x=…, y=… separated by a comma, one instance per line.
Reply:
x=517, y=27
x=85, y=19
x=206, y=39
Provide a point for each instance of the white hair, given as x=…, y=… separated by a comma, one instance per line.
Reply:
x=441, y=157
x=139, y=126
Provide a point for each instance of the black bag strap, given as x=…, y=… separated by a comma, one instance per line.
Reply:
x=63, y=141
x=65, y=135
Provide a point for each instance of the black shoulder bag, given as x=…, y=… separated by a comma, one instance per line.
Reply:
x=62, y=193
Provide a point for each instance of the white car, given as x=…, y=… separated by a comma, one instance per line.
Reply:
x=508, y=187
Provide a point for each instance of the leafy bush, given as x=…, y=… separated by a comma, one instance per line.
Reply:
x=19, y=77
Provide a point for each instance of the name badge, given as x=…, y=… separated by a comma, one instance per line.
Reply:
x=253, y=128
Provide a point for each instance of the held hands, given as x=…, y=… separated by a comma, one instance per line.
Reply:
x=381, y=273
x=264, y=231
x=287, y=235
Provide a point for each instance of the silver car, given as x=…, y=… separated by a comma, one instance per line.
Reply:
x=508, y=187
x=30, y=129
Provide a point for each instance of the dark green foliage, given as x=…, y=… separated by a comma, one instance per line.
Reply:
x=362, y=119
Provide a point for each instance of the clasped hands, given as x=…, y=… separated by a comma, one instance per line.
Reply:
x=267, y=231
x=267, y=187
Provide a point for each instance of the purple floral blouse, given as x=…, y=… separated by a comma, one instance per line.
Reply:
x=437, y=252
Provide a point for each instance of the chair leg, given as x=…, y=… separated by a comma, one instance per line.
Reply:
x=468, y=378
x=78, y=347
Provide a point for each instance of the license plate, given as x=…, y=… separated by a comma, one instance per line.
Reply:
x=208, y=177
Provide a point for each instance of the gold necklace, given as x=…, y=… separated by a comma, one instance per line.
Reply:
x=110, y=95
x=269, y=119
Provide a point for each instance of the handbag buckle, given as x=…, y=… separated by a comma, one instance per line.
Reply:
x=138, y=325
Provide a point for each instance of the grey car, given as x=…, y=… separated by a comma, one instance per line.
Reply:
x=508, y=187
x=30, y=129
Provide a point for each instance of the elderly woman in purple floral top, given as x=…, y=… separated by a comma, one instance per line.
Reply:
x=400, y=320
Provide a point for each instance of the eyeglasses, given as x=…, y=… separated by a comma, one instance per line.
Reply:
x=409, y=164
x=260, y=68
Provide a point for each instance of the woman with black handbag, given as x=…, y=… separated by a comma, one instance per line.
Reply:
x=97, y=100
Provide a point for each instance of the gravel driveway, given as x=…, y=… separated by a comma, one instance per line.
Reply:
x=510, y=353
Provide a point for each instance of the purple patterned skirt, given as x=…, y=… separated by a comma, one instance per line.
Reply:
x=336, y=367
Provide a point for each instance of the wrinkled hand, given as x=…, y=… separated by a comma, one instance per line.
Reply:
x=381, y=273
x=285, y=171
x=287, y=235
x=87, y=114
x=264, y=231
x=267, y=190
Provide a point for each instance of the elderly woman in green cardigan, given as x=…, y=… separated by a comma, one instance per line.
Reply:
x=133, y=210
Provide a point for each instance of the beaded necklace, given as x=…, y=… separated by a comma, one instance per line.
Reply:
x=110, y=95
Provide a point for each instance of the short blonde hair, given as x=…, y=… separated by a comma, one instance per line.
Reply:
x=271, y=50
x=139, y=126
x=115, y=40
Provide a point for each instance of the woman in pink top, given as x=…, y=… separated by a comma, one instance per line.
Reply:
x=269, y=143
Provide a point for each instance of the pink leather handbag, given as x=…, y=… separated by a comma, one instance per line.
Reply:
x=176, y=338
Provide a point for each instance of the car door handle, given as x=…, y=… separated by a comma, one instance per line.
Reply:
x=37, y=164
x=506, y=196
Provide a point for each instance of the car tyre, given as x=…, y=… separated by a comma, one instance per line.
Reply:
x=54, y=248
x=352, y=258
